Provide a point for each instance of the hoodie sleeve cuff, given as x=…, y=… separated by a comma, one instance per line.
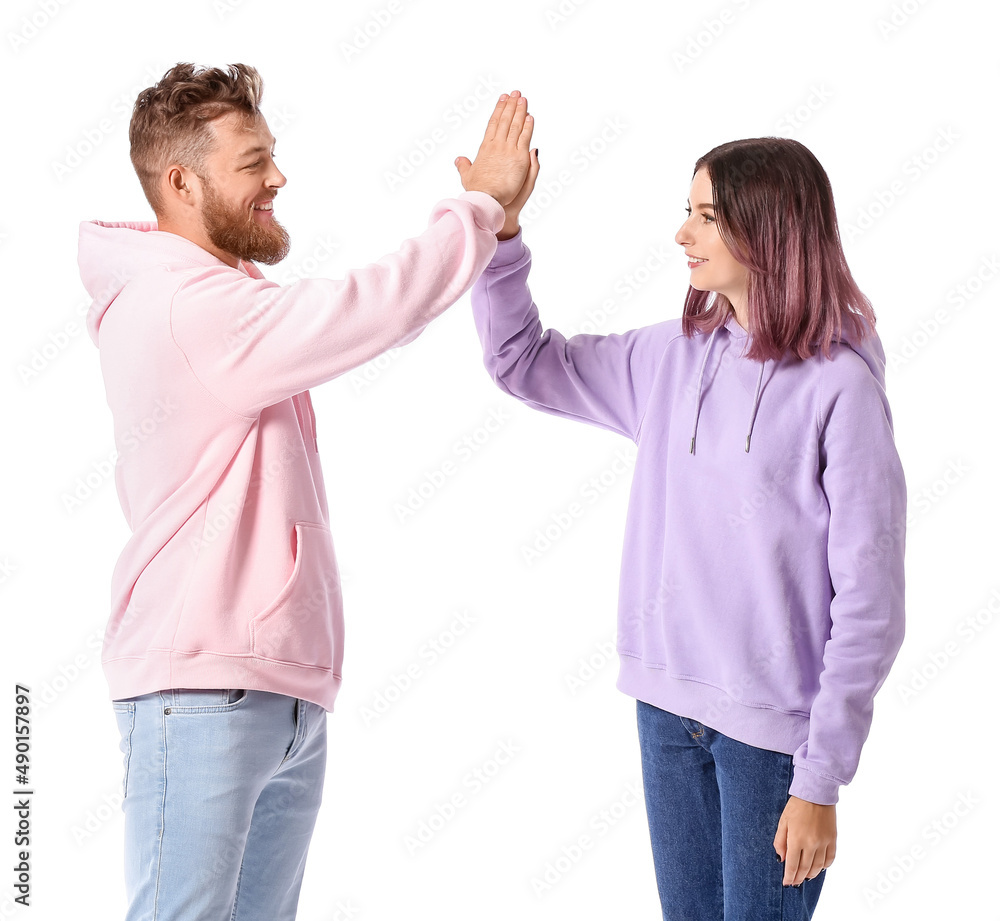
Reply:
x=489, y=212
x=814, y=788
x=508, y=252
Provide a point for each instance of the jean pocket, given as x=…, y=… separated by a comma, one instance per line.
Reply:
x=194, y=700
x=125, y=717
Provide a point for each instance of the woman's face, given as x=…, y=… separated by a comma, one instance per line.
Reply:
x=712, y=266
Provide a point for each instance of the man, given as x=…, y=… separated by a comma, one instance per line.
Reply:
x=225, y=643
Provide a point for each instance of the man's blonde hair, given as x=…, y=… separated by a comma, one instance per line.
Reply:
x=171, y=121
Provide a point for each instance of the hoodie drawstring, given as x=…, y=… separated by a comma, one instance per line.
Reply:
x=701, y=377
x=756, y=403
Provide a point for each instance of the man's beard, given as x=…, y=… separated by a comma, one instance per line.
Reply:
x=237, y=232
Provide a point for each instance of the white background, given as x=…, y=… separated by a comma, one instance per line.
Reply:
x=675, y=79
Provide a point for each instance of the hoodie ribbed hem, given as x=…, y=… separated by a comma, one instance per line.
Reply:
x=160, y=670
x=762, y=727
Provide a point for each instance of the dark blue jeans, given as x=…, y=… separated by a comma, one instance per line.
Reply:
x=713, y=806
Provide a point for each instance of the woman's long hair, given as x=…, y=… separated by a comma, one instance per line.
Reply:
x=775, y=213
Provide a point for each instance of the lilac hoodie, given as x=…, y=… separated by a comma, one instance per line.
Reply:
x=229, y=579
x=762, y=574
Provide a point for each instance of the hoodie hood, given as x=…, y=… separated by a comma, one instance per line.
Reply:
x=869, y=348
x=112, y=254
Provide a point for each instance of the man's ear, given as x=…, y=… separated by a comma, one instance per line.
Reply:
x=181, y=185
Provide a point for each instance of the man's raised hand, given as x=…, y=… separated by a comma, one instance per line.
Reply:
x=501, y=165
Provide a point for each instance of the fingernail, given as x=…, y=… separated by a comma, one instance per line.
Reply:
x=778, y=856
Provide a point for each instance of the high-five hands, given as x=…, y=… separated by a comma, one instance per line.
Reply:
x=504, y=166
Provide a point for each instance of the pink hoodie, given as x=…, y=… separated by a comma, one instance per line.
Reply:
x=229, y=579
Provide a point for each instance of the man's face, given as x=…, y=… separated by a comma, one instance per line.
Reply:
x=239, y=184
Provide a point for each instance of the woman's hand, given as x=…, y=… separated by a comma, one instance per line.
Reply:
x=806, y=839
x=512, y=211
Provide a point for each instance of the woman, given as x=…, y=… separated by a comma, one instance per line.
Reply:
x=761, y=595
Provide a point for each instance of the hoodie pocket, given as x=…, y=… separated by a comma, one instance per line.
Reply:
x=304, y=625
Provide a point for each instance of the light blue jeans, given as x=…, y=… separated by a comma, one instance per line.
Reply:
x=221, y=791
